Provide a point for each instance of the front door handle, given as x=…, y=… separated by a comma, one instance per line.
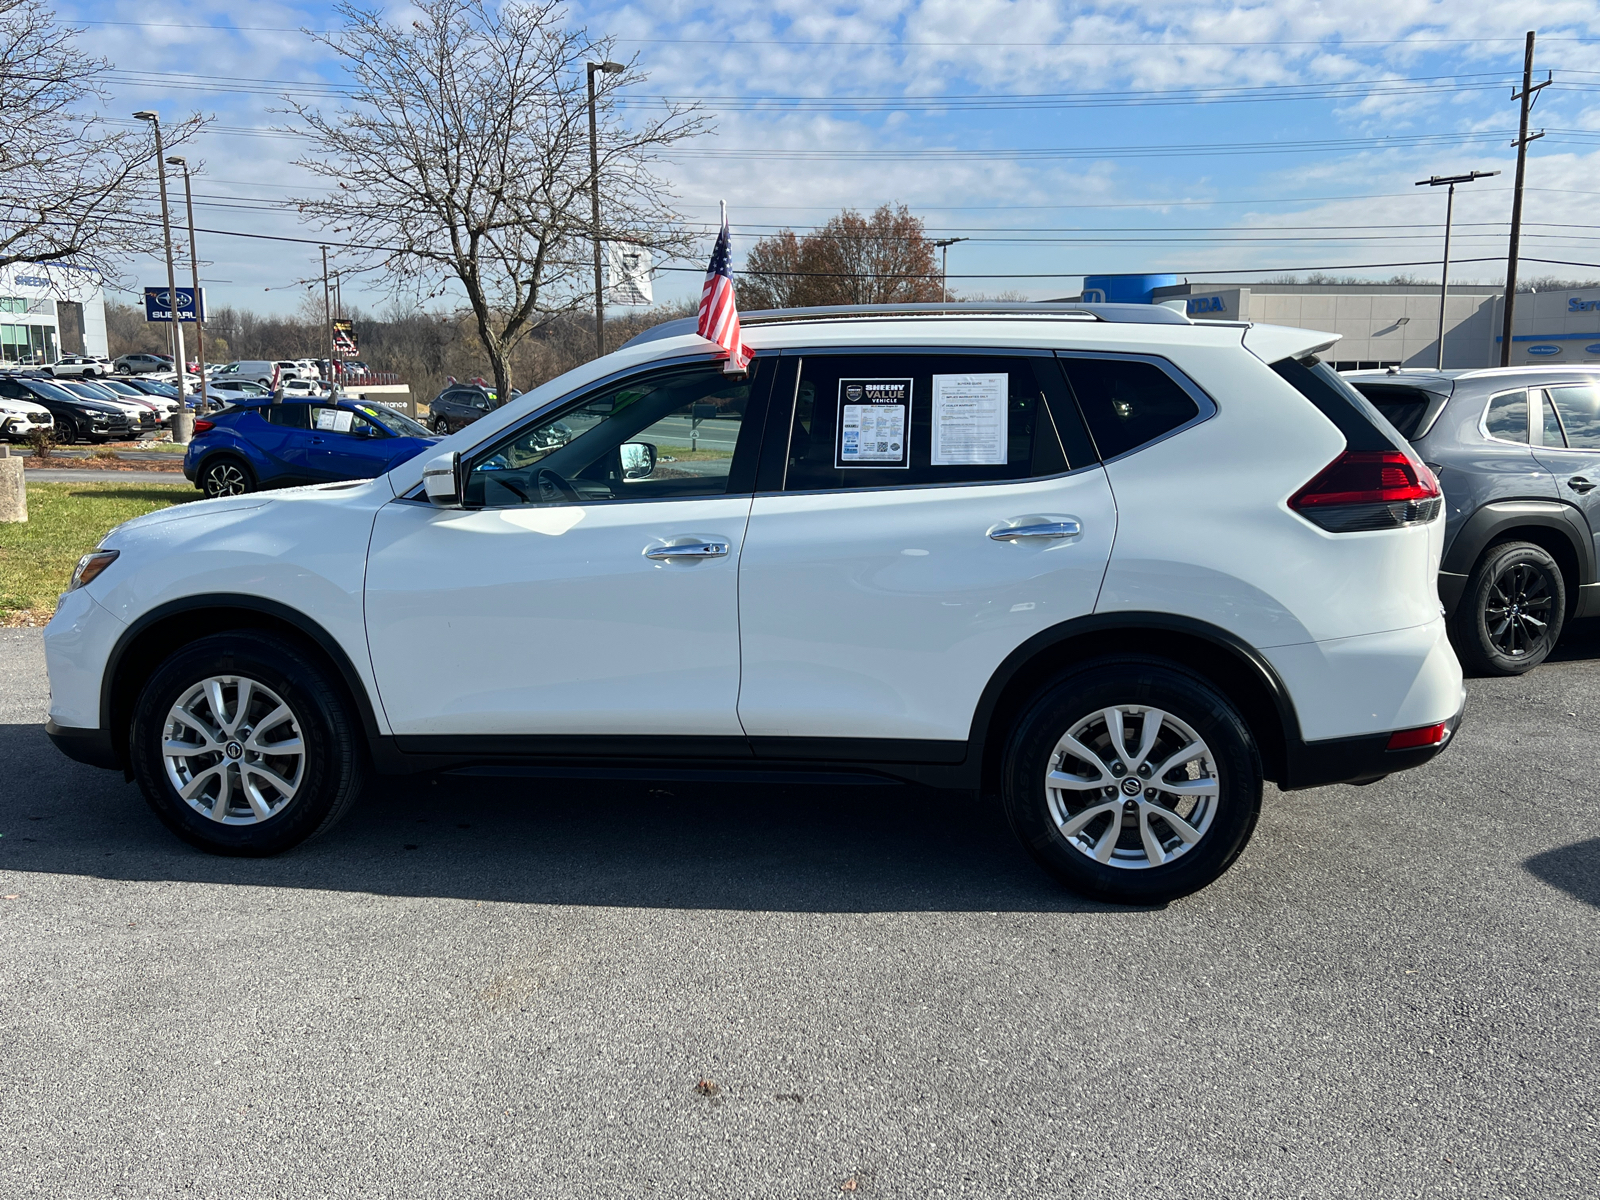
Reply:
x=710, y=548
x=1580, y=485
x=1063, y=528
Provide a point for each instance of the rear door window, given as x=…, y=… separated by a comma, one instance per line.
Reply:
x=288, y=416
x=1579, y=406
x=1130, y=402
x=903, y=420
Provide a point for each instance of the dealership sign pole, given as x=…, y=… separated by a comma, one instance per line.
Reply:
x=172, y=275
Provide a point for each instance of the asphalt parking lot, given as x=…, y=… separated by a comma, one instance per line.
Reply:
x=605, y=990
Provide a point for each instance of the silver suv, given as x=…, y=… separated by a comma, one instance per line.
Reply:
x=1517, y=450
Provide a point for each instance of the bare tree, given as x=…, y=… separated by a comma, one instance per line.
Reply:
x=881, y=259
x=462, y=158
x=74, y=191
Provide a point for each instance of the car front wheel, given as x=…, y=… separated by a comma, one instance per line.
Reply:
x=243, y=746
x=225, y=477
x=441, y=427
x=1512, y=611
x=1132, y=781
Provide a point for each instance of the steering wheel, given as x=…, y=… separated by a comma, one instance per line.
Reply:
x=552, y=487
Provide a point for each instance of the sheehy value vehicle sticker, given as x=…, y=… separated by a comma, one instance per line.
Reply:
x=874, y=418
x=969, y=420
x=336, y=420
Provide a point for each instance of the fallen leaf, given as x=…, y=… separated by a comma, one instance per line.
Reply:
x=849, y=1185
x=707, y=1087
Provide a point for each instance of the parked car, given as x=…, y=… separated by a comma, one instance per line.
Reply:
x=143, y=415
x=459, y=405
x=19, y=418
x=76, y=418
x=234, y=390
x=260, y=370
x=257, y=444
x=303, y=388
x=164, y=403
x=1115, y=565
x=1517, y=450
x=74, y=366
x=141, y=363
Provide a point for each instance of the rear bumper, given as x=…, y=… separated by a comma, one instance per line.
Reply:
x=1364, y=759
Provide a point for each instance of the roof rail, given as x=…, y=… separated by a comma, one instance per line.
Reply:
x=1128, y=314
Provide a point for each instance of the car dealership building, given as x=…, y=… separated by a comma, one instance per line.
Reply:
x=46, y=312
x=1386, y=324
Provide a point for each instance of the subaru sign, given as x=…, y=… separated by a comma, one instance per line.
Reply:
x=158, y=308
x=1544, y=351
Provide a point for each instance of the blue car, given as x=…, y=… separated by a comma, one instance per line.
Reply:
x=256, y=444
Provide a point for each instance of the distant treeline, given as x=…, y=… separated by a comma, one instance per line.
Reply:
x=423, y=348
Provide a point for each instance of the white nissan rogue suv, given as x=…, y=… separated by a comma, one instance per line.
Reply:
x=1113, y=565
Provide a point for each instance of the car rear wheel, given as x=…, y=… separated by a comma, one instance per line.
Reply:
x=1512, y=611
x=1132, y=781
x=243, y=746
x=226, y=477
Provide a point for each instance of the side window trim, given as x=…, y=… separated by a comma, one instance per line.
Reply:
x=1561, y=422
x=774, y=476
x=1203, y=401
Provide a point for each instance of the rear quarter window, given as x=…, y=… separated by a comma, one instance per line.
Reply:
x=1364, y=427
x=1403, y=407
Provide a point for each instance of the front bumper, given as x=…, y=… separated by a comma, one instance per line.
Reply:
x=92, y=746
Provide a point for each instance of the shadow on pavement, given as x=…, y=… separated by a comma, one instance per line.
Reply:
x=1575, y=869
x=674, y=845
x=1580, y=642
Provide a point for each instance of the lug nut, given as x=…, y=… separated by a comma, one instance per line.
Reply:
x=1144, y=769
x=1118, y=769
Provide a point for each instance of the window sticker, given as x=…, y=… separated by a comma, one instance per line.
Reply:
x=334, y=420
x=874, y=417
x=969, y=420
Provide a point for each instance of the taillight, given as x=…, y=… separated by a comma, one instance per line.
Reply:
x=1412, y=739
x=202, y=425
x=1369, y=489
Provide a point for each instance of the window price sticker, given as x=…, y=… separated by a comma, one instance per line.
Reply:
x=874, y=419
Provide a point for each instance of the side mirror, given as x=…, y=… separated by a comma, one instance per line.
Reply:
x=638, y=460
x=441, y=480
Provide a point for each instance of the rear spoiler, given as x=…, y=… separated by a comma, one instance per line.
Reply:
x=1274, y=343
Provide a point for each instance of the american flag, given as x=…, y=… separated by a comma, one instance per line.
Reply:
x=719, y=311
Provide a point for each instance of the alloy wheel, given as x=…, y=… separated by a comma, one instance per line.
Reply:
x=1132, y=787
x=233, y=750
x=225, y=479
x=1518, y=610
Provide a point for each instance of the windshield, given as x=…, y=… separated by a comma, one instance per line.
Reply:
x=398, y=422
x=51, y=392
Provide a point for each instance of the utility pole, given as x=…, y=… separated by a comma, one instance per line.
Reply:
x=1526, y=95
x=327, y=312
x=172, y=274
x=1449, y=215
x=199, y=316
x=610, y=68
x=943, y=246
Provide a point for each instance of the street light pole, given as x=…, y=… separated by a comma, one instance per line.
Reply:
x=172, y=275
x=199, y=316
x=943, y=245
x=1449, y=181
x=610, y=68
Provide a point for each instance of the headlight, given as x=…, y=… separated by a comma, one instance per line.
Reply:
x=90, y=566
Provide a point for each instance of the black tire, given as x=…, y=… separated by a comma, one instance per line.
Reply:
x=1040, y=814
x=441, y=427
x=66, y=431
x=327, y=779
x=225, y=475
x=1516, y=588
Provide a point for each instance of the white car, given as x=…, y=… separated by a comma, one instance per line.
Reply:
x=76, y=366
x=1116, y=566
x=303, y=387
x=19, y=418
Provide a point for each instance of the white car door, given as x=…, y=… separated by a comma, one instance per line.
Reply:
x=590, y=587
x=934, y=511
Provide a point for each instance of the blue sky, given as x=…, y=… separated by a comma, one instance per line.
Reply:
x=1063, y=139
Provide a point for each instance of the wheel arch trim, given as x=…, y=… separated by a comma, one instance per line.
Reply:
x=1499, y=517
x=1277, y=752
x=276, y=613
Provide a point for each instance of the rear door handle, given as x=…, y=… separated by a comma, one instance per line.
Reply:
x=1580, y=485
x=710, y=548
x=1064, y=528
